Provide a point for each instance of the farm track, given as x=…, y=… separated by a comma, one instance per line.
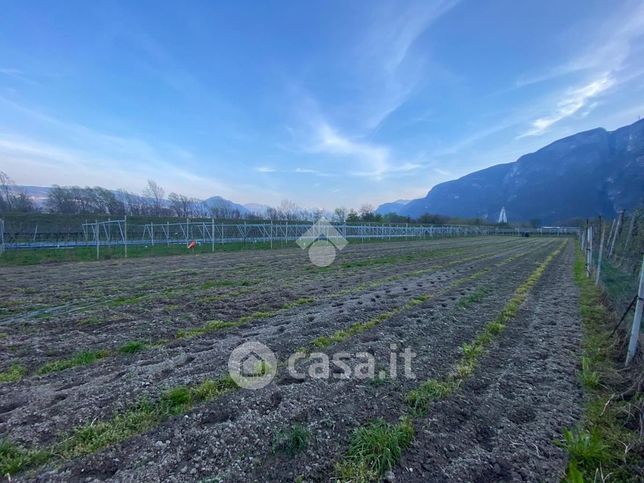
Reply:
x=329, y=409
x=152, y=322
x=66, y=399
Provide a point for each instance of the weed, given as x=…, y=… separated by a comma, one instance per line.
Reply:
x=79, y=359
x=375, y=449
x=589, y=378
x=585, y=447
x=212, y=326
x=291, y=441
x=14, y=458
x=131, y=347
x=14, y=374
x=427, y=392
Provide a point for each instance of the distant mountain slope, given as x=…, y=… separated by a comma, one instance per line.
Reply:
x=588, y=174
x=224, y=205
x=393, y=207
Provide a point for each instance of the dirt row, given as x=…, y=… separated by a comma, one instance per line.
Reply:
x=37, y=412
x=502, y=425
x=230, y=438
x=158, y=318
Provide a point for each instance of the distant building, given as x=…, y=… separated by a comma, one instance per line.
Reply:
x=502, y=216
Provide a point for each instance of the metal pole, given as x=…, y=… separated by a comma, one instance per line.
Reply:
x=619, y=222
x=601, y=252
x=152, y=233
x=96, y=235
x=637, y=319
x=167, y=233
x=589, y=251
x=630, y=232
x=125, y=234
x=212, y=234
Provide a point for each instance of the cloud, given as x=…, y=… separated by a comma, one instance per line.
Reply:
x=573, y=101
x=374, y=161
x=265, y=169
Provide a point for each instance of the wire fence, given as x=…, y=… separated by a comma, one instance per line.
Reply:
x=211, y=232
x=614, y=251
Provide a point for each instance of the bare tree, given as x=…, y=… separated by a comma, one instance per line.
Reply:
x=10, y=198
x=340, y=214
x=156, y=194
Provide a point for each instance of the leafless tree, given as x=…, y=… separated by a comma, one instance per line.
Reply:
x=155, y=193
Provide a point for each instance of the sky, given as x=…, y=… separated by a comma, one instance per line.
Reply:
x=324, y=103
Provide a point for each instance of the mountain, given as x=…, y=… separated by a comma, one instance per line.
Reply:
x=587, y=174
x=225, y=206
x=393, y=207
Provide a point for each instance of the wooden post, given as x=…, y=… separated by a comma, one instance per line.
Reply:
x=601, y=252
x=637, y=319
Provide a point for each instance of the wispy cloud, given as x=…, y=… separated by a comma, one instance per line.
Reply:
x=372, y=160
x=573, y=102
x=265, y=169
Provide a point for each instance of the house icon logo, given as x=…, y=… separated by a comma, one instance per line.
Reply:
x=323, y=241
x=252, y=365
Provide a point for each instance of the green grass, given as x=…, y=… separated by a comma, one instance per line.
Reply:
x=97, y=435
x=374, y=449
x=14, y=374
x=428, y=391
x=79, y=359
x=606, y=442
x=132, y=347
x=13, y=458
x=473, y=298
x=292, y=440
x=212, y=326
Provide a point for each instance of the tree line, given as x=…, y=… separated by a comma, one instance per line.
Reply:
x=152, y=201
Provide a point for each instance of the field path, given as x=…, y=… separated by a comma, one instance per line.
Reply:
x=501, y=425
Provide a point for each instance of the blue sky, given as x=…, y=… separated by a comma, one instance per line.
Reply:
x=330, y=103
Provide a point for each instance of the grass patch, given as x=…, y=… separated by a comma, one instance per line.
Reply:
x=95, y=436
x=428, y=391
x=212, y=326
x=607, y=442
x=79, y=359
x=473, y=298
x=131, y=347
x=374, y=449
x=292, y=440
x=13, y=458
x=14, y=374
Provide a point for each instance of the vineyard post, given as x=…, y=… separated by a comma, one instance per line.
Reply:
x=630, y=232
x=601, y=252
x=125, y=234
x=617, y=225
x=152, y=232
x=212, y=234
x=96, y=235
x=585, y=248
x=637, y=319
